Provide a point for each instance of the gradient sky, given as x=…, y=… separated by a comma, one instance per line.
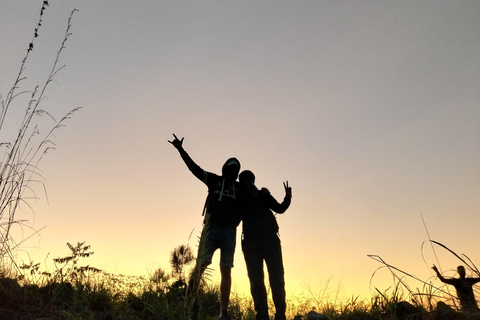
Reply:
x=370, y=109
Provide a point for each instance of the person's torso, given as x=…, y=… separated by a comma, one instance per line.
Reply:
x=258, y=220
x=222, y=204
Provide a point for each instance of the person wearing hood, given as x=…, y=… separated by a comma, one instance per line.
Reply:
x=221, y=219
x=260, y=242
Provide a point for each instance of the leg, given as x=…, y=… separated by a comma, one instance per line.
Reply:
x=195, y=277
x=252, y=253
x=207, y=246
x=276, y=277
x=225, y=287
x=227, y=252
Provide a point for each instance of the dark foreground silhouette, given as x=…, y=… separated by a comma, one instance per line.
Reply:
x=464, y=287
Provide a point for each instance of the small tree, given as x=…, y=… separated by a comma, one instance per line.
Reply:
x=19, y=169
x=180, y=257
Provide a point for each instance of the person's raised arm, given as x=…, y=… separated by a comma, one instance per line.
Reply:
x=439, y=275
x=474, y=280
x=192, y=166
x=282, y=207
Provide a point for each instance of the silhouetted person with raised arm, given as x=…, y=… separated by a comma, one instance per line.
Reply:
x=464, y=288
x=261, y=243
x=220, y=223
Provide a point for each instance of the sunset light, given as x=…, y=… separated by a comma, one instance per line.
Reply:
x=369, y=109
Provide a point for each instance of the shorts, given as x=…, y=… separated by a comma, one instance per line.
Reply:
x=220, y=238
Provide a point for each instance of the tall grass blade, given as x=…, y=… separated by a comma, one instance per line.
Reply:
x=392, y=268
x=469, y=263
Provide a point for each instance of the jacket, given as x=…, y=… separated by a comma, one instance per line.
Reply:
x=221, y=205
x=257, y=217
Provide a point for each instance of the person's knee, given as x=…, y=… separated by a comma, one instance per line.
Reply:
x=225, y=270
x=200, y=268
x=256, y=276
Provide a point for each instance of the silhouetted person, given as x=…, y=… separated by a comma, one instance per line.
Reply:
x=464, y=288
x=261, y=243
x=220, y=223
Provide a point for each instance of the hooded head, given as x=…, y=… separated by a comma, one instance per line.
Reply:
x=230, y=169
x=461, y=271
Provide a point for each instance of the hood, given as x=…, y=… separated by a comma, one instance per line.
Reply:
x=230, y=169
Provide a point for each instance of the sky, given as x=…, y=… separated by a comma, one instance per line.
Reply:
x=369, y=109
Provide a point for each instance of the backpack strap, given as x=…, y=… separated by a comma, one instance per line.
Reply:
x=207, y=201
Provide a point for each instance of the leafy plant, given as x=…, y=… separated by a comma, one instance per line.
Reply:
x=67, y=268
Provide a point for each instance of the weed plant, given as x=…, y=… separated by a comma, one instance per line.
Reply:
x=19, y=166
x=75, y=290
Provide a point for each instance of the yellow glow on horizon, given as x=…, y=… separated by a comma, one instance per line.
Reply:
x=371, y=130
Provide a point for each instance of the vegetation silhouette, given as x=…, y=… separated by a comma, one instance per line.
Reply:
x=75, y=290
x=434, y=298
x=22, y=153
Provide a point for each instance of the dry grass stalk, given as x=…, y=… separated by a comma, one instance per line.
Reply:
x=19, y=168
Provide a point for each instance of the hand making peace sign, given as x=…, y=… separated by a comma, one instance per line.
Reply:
x=288, y=190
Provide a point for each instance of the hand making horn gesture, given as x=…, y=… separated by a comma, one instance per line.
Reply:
x=177, y=143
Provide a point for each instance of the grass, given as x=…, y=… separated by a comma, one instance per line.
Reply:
x=77, y=291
